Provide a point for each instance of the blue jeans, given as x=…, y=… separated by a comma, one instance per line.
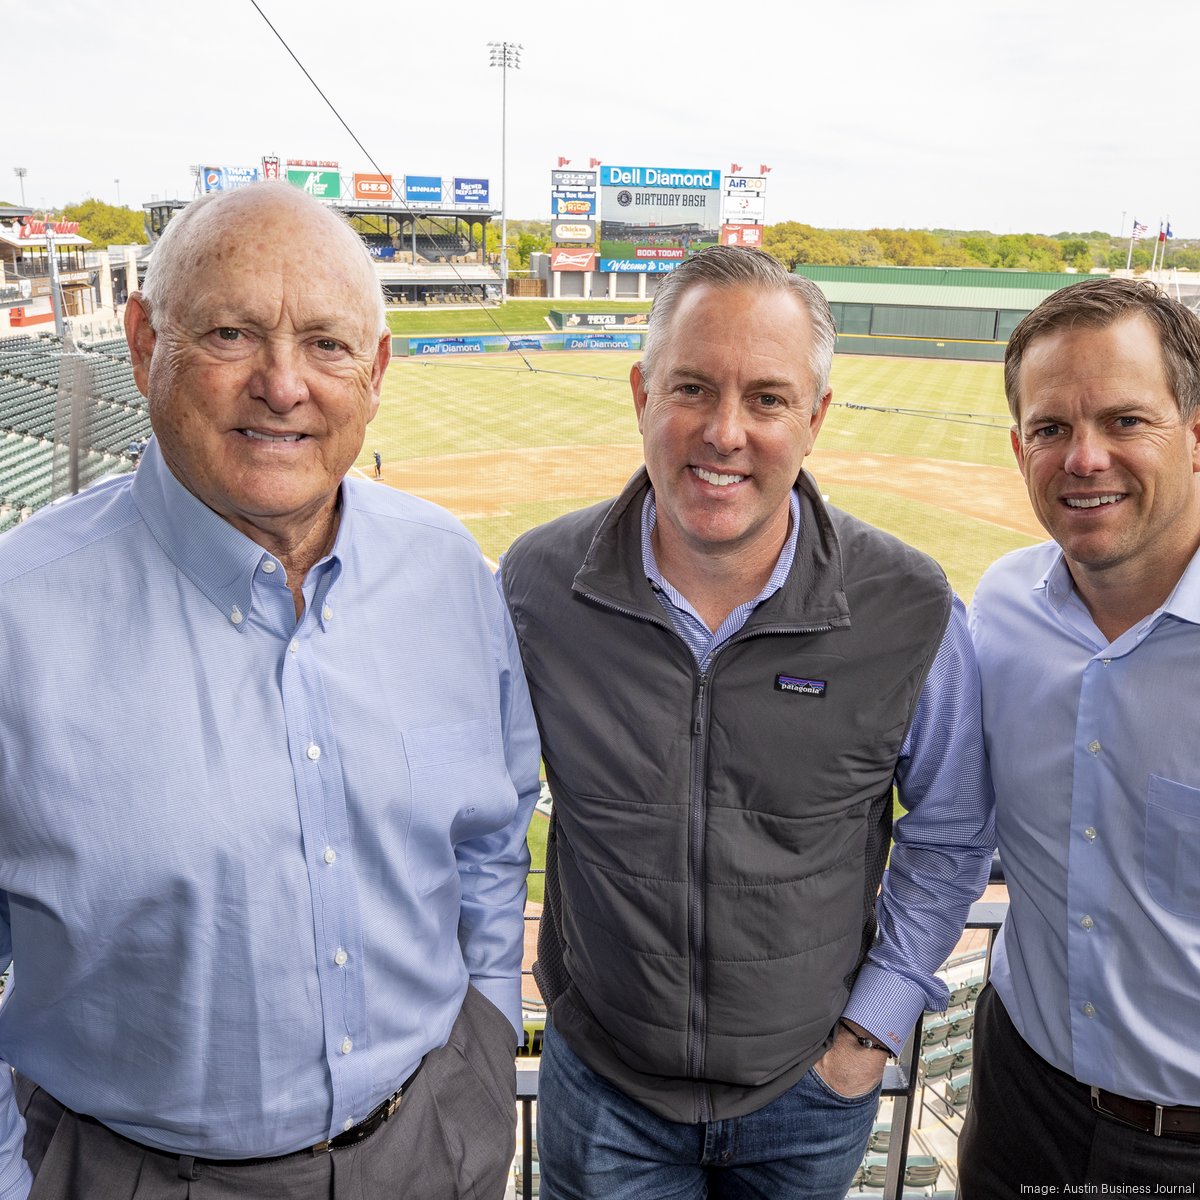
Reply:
x=594, y=1143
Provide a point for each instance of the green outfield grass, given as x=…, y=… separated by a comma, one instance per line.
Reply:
x=516, y=316
x=953, y=412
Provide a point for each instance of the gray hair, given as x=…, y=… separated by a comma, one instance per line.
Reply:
x=176, y=253
x=742, y=266
x=1101, y=302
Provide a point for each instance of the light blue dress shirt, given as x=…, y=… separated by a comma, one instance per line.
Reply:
x=1094, y=755
x=248, y=865
x=943, y=842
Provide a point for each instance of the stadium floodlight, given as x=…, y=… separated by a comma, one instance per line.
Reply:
x=504, y=55
x=20, y=173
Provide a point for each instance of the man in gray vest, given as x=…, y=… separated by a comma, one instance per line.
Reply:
x=729, y=677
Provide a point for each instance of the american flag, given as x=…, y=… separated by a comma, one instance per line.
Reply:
x=1139, y=230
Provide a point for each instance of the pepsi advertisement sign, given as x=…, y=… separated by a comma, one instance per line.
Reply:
x=225, y=179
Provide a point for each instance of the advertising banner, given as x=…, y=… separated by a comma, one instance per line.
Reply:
x=423, y=189
x=372, y=187
x=572, y=260
x=325, y=185
x=458, y=345
x=225, y=179
x=583, y=232
x=647, y=210
x=573, y=179
x=738, y=184
x=742, y=235
x=270, y=164
x=595, y=320
x=470, y=191
x=569, y=202
x=602, y=341
x=636, y=266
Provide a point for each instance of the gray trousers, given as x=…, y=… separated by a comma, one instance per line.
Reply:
x=452, y=1137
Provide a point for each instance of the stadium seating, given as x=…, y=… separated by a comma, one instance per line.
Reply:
x=115, y=418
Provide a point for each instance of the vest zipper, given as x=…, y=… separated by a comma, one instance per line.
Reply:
x=697, y=1014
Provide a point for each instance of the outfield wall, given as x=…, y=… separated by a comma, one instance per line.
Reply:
x=503, y=343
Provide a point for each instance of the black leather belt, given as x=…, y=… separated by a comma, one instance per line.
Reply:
x=351, y=1137
x=1180, y=1120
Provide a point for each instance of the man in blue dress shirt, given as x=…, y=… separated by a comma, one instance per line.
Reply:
x=1088, y=1060
x=263, y=888
x=730, y=677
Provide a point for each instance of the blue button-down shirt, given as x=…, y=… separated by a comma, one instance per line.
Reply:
x=943, y=842
x=1094, y=755
x=248, y=864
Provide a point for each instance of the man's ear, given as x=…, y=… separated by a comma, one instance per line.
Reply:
x=637, y=384
x=140, y=335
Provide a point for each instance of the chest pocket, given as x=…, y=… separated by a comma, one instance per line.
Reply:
x=1173, y=845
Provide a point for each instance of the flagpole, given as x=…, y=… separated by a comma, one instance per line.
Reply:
x=1129, y=256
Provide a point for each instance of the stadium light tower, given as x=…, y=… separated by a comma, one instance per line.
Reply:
x=504, y=55
x=20, y=173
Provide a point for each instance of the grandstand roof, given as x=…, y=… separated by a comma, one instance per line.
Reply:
x=945, y=277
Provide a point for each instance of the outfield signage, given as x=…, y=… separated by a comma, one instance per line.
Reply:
x=225, y=179
x=423, y=189
x=737, y=184
x=459, y=345
x=562, y=259
x=573, y=231
x=372, y=187
x=470, y=191
x=626, y=266
x=652, y=218
x=602, y=341
x=325, y=185
x=595, y=320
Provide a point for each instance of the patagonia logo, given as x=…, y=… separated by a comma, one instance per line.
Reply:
x=802, y=687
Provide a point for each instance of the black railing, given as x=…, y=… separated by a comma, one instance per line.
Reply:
x=900, y=1081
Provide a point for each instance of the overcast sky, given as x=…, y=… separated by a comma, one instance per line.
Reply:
x=1023, y=116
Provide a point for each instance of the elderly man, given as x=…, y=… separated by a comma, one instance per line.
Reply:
x=729, y=678
x=263, y=888
x=1089, y=651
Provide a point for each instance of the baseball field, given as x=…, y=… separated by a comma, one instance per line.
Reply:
x=918, y=447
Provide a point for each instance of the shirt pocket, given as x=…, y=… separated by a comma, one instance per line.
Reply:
x=1173, y=845
x=460, y=790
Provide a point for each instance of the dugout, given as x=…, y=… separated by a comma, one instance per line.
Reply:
x=931, y=312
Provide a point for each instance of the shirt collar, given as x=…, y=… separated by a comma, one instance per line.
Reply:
x=219, y=559
x=779, y=573
x=1183, y=602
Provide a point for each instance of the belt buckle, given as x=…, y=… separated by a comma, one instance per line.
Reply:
x=393, y=1103
x=1156, y=1129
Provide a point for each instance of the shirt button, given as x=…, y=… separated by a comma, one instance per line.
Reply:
x=1089, y=1009
x=330, y=854
x=1106, y=661
x=346, y=1046
x=293, y=647
x=1094, y=747
x=313, y=751
x=347, y=1124
x=327, y=613
x=1086, y=922
x=1090, y=834
x=341, y=957
x=269, y=566
x=236, y=616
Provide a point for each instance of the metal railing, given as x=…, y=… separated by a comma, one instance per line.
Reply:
x=900, y=1080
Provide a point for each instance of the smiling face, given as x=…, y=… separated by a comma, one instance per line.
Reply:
x=1109, y=463
x=727, y=419
x=264, y=365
